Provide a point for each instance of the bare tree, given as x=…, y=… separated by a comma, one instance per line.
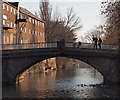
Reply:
x=72, y=21
x=56, y=27
x=111, y=10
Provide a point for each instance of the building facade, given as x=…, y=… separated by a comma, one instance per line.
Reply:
x=20, y=25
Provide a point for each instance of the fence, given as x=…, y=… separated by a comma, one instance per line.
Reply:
x=54, y=44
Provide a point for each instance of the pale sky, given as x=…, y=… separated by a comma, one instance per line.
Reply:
x=87, y=10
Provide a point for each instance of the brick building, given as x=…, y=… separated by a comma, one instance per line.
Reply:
x=20, y=25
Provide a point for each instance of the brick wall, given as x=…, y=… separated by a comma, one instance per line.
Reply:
x=9, y=16
x=31, y=31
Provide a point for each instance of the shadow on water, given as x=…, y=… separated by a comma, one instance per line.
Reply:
x=63, y=83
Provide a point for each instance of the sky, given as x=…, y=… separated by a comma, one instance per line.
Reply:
x=87, y=10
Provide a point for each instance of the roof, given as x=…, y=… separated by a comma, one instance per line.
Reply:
x=16, y=4
x=25, y=11
x=13, y=4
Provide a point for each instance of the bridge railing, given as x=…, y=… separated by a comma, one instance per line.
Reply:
x=91, y=45
x=28, y=46
x=54, y=44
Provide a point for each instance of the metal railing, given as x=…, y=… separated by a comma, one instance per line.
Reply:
x=28, y=46
x=91, y=45
x=54, y=44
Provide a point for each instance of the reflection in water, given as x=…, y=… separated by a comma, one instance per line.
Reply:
x=68, y=83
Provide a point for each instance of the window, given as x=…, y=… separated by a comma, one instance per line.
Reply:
x=40, y=23
x=25, y=30
x=4, y=17
x=7, y=8
x=11, y=24
x=3, y=6
x=3, y=22
x=14, y=25
x=25, y=41
x=33, y=31
x=14, y=11
x=29, y=31
x=40, y=34
x=43, y=24
x=21, y=29
x=7, y=39
x=11, y=10
x=21, y=16
x=26, y=16
x=33, y=21
x=36, y=22
x=7, y=23
x=21, y=41
x=29, y=19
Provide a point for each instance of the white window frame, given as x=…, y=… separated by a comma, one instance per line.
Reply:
x=33, y=21
x=21, y=16
x=29, y=19
x=25, y=41
x=11, y=24
x=36, y=22
x=4, y=17
x=25, y=30
x=3, y=22
x=40, y=23
x=7, y=39
x=29, y=31
x=8, y=23
x=11, y=9
x=21, y=29
x=7, y=8
x=14, y=11
x=21, y=41
x=3, y=6
x=43, y=24
x=33, y=32
x=14, y=25
x=40, y=34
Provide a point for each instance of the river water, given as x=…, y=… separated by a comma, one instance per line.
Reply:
x=71, y=82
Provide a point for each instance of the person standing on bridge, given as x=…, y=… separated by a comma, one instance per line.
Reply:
x=79, y=44
x=99, y=42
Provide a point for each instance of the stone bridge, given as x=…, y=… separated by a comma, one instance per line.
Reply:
x=16, y=61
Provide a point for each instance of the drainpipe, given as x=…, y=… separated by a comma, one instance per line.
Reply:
x=1, y=39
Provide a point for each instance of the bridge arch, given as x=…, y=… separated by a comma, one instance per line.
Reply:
x=21, y=60
x=33, y=63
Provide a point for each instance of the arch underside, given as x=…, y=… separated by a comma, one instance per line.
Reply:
x=44, y=58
